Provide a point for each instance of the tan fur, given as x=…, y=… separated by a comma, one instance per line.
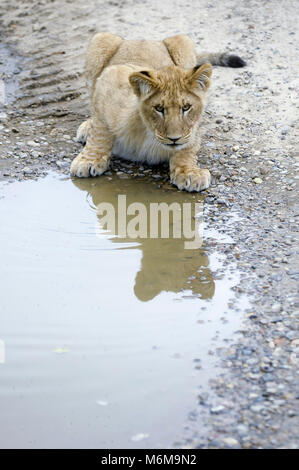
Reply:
x=150, y=279
x=140, y=94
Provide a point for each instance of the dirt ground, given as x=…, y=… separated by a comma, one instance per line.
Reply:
x=249, y=144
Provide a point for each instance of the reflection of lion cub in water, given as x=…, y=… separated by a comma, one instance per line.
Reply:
x=166, y=265
x=146, y=101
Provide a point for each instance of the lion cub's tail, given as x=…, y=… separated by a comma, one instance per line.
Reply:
x=220, y=58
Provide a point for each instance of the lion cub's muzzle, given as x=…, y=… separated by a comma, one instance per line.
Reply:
x=173, y=142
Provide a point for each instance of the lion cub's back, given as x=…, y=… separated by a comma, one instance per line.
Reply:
x=143, y=53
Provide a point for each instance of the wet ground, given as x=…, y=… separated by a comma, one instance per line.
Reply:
x=250, y=214
x=10, y=67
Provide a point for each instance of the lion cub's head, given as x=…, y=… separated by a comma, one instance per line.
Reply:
x=171, y=101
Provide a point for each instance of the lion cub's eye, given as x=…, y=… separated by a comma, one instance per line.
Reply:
x=186, y=107
x=159, y=108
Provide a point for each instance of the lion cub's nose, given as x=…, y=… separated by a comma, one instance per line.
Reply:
x=174, y=139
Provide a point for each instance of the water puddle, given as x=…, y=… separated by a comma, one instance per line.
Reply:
x=104, y=339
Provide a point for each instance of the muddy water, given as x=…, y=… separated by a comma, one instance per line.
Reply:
x=105, y=339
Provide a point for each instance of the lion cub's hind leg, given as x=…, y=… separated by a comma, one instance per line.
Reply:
x=95, y=157
x=82, y=132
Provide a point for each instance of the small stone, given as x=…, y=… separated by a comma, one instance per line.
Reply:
x=62, y=164
x=32, y=143
x=230, y=441
x=217, y=409
x=285, y=130
x=222, y=202
x=242, y=430
x=276, y=308
x=263, y=170
x=256, y=408
x=257, y=180
x=27, y=171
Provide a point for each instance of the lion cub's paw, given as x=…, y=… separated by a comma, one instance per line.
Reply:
x=82, y=132
x=83, y=167
x=192, y=180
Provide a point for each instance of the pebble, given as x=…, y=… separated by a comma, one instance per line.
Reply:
x=285, y=130
x=222, y=202
x=217, y=409
x=32, y=143
x=27, y=170
x=35, y=154
x=257, y=408
x=62, y=164
x=230, y=441
x=257, y=180
x=242, y=430
x=276, y=308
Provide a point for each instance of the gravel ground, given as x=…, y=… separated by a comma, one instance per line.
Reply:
x=249, y=140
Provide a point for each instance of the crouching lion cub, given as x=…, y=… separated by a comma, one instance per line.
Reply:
x=147, y=98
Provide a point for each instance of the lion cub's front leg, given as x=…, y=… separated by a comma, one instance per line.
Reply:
x=185, y=174
x=95, y=157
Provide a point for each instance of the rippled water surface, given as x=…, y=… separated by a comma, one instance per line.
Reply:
x=104, y=340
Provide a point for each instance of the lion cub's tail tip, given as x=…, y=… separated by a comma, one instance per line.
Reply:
x=224, y=59
x=234, y=61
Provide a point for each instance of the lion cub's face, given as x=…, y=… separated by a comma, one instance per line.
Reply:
x=171, y=101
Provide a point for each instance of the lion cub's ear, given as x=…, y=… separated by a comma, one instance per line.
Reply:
x=142, y=83
x=199, y=76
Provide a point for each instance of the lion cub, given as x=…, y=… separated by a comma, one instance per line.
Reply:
x=147, y=98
